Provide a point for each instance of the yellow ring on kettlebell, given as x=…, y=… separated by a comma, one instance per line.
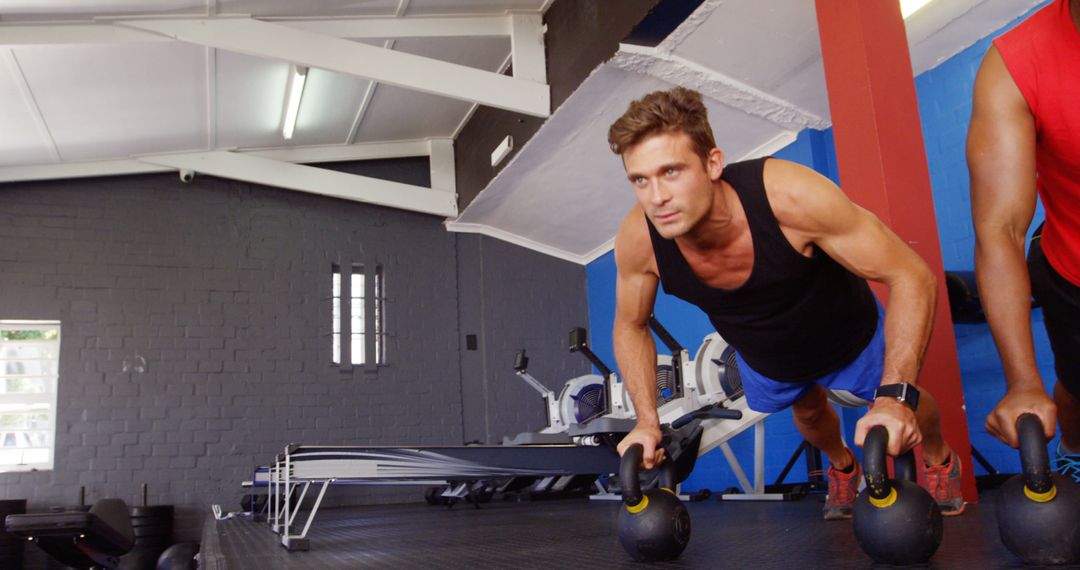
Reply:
x=1041, y=497
x=668, y=490
x=635, y=509
x=885, y=502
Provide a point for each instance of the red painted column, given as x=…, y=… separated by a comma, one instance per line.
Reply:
x=882, y=163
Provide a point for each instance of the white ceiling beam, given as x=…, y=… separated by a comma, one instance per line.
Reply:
x=313, y=180
x=275, y=41
x=211, y=98
x=14, y=35
x=711, y=83
x=527, y=47
x=441, y=161
x=19, y=78
x=67, y=170
x=369, y=93
x=396, y=28
x=102, y=31
x=299, y=155
x=342, y=153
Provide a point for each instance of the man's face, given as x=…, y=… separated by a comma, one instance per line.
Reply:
x=672, y=184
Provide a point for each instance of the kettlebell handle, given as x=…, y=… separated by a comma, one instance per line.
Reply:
x=629, y=468
x=875, y=467
x=1034, y=459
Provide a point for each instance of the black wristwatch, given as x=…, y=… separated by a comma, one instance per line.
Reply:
x=903, y=392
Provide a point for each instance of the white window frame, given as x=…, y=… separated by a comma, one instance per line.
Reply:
x=355, y=328
x=48, y=398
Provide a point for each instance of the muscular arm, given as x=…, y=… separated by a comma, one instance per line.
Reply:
x=635, y=350
x=812, y=207
x=1001, y=160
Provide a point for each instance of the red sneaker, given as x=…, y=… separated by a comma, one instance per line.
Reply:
x=843, y=489
x=943, y=483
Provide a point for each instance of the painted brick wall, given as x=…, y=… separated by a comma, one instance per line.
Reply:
x=528, y=301
x=222, y=288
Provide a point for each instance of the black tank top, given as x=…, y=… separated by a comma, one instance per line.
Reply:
x=795, y=318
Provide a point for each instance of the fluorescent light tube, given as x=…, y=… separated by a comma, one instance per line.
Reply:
x=292, y=106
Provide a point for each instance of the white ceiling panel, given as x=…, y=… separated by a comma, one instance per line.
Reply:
x=109, y=101
x=250, y=99
x=400, y=114
x=328, y=109
x=25, y=140
x=805, y=88
x=486, y=53
x=308, y=8
x=742, y=27
x=569, y=191
x=422, y=112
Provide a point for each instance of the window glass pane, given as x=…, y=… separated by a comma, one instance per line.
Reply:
x=337, y=348
x=29, y=356
x=24, y=456
x=356, y=321
x=11, y=335
x=24, y=439
x=357, y=284
x=335, y=314
x=27, y=350
x=25, y=385
x=358, y=349
x=336, y=286
x=17, y=368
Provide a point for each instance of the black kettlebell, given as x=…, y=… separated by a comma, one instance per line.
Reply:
x=896, y=521
x=653, y=525
x=1038, y=512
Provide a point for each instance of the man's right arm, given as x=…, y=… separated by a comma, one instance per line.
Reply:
x=635, y=350
x=1001, y=160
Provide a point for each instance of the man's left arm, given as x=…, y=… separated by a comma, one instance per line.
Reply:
x=813, y=207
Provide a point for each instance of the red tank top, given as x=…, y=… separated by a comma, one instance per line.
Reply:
x=1043, y=56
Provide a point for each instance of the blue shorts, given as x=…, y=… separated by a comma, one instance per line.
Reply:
x=859, y=378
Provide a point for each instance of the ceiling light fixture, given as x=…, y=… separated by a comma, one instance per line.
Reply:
x=297, y=79
x=909, y=7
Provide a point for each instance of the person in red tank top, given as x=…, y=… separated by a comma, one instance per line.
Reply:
x=1024, y=142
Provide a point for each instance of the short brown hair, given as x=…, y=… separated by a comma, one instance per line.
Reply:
x=679, y=109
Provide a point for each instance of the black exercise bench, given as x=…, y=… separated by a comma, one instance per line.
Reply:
x=94, y=539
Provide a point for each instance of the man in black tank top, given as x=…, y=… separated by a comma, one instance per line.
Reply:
x=778, y=258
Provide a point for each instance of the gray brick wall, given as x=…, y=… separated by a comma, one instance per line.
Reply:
x=512, y=299
x=221, y=289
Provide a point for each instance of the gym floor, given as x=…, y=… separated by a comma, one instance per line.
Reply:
x=580, y=534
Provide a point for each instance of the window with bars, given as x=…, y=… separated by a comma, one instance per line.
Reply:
x=349, y=294
x=29, y=368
